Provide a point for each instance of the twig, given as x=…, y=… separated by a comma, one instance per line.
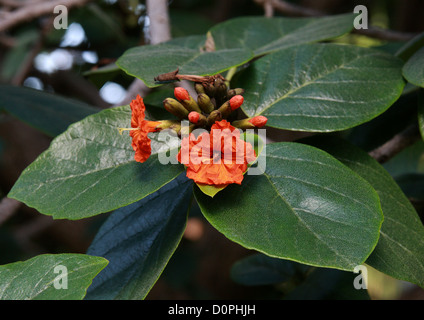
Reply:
x=289, y=8
x=268, y=8
x=175, y=76
x=8, y=207
x=385, y=34
x=395, y=145
x=372, y=32
x=34, y=10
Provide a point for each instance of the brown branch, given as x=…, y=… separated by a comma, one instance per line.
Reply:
x=8, y=207
x=299, y=11
x=175, y=76
x=385, y=34
x=17, y=4
x=395, y=145
x=34, y=10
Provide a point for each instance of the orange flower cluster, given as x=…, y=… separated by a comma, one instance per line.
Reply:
x=217, y=157
x=140, y=142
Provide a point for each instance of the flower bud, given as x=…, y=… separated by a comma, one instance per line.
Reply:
x=209, y=89
x=176, y=108
x=213, y=117
x=184, y=97
x=197, y=118
x=205, y=103
x=250, y=123
x=198, y=87
x=259, y=121
x=169, y=124
x=236, y=102
x=233, y=92
x=220, y=89
x=231, y=105
x=181, y=94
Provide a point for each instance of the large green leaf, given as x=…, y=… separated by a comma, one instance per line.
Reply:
x=306, y=207
x=138, y=241
x=90, y=169
x=421, y=112
x=259, y=269
x=400, y=249
x=296, y=281
x=265, y=35
x=49, y=277
x=321, y=87
x=187, y=54
x=49, y=113
x=413, y=70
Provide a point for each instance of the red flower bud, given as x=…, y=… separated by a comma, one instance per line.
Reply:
x=258, y=121
x=236, y=102
x=193, y=117
x=181, y=94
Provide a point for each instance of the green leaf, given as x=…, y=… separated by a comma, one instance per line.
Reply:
x=421, y=112
x=138, y=241
x=264, y=35
x=38, y=277
x=49, y=113
x=296, y=281
x=327, y=284
x=90, y=169
x=321, y=87
x=412, y=185
x=408, y=49
x=258, y=270
x=400, y=249
x=413, y=70
x=306, y=207
x=187, y=54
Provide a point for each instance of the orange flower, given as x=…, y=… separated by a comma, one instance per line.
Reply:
x=140, y=129
x=218, y=158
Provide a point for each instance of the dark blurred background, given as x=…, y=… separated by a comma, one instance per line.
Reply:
x=34, y=54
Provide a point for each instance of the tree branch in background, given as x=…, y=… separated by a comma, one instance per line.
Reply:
x=298, y=11
x=34, y=9
x=8, y=207
x=160, y=31
x=395, y=145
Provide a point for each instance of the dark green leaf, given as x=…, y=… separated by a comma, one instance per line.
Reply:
x=421, y=112
x=49, y=277
x=187, y=54
x=50, y=113
x=412, y=185
x=408, y=49
x=264, y=35
x=138, y=241
x=296, y=281
x=90, y=169
x=328, y=284
x=400, y=249
x=259, y=269
x=413, y=70
x=321, y=87
x=306, y=207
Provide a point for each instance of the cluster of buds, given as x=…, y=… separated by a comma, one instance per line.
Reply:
x=214, y=102
x=213, y=110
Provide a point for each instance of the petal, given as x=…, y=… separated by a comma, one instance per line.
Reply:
x=137, y=111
